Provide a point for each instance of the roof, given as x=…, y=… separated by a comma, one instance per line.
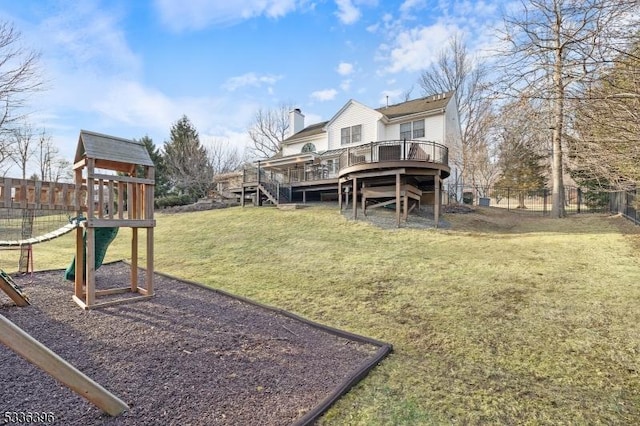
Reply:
x=416, y=106
x=112, y=149
x=314, y=129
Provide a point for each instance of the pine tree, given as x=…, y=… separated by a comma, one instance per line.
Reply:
x=188, y=166
x=162, y=183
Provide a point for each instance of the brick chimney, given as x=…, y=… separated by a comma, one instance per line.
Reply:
x=296, y=121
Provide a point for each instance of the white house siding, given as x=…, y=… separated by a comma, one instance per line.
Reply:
x=353, y=114
x=433, y=129
x=320, y=142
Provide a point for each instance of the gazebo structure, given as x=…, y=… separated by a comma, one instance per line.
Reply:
x=113, y=200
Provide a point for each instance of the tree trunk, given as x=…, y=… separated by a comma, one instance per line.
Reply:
x=521, y=197
x=557, y=197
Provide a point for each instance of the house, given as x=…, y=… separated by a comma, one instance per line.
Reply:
x=398, y=154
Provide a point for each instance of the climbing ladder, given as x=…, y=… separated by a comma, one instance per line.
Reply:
x=13, y=290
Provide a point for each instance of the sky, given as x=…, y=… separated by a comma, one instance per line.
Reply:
x=133, y=68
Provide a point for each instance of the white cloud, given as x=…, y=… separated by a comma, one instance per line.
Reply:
x=250, y=79
x=344, y=68
x=324, y=95
x=97, y=45
x=347, y=12
x=390, y=97
x=417, y=48
x=408, y=5
x=345, y=85
x=199, y=14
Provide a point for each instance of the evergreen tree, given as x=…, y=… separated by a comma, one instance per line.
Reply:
x=162, y=183
x=189, y=169
x=521, y=152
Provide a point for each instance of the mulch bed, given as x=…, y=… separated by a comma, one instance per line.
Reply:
x=188, y=356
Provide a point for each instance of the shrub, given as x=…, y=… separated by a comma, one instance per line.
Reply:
x=173, y=200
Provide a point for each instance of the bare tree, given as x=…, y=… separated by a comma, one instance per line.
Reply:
x=24, y=147
x=552, y=50
x=605, y=147
x=268, y=129
x=223, y=157
x=456, y=69
x=19, y=75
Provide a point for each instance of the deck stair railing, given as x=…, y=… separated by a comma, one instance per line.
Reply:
x=269, y=183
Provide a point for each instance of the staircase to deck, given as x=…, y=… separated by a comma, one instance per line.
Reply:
x=276, y=192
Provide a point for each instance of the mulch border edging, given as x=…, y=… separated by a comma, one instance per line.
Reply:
x=361, y=372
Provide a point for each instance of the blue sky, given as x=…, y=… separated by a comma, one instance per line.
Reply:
x=133, y=68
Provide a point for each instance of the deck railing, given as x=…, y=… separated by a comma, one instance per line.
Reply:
x=395, y=150
x=373, y=152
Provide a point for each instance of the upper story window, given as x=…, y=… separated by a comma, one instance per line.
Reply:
x=309, y=147
x=412, y=130
x=351, y=134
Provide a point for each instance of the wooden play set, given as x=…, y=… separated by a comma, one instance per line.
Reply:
x=113, y=188
x=123, y=200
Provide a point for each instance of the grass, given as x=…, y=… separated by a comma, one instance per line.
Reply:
x=502, y=319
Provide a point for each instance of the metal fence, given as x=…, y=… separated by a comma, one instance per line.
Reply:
x=625, y=203
x=539, y=201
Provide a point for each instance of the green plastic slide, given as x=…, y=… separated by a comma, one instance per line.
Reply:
x=103, y=237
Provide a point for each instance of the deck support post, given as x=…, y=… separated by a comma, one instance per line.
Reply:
x=355, y=198
x=436, y=199
x=398, y=199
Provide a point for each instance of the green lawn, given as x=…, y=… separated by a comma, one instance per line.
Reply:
x=501, y=319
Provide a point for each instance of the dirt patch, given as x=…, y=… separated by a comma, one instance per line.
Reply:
x=189, y=355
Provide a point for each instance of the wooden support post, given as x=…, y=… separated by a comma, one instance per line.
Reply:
x=134, y=259
x=78, y=282
x=363, y=199
x=436, y=199
x=42, y=357
x=149, y=273
x=355, y=198
x=242, y=196
x=398, y=200
x=90, y=283
x=304, y=196
x=340, y=195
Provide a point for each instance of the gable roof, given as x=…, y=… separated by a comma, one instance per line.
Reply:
x=426, y=104
x=313, y=129
x=111, y=149
x=415, y=106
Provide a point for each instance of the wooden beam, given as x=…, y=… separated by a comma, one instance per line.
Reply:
x=355, y=197
x=436, y=200
x=148, y=277
x=42, y=357
x=126, y=179
x=90, y=283
x=398, y=189
x=364, y=175
x=79, y=278
x=134, y=259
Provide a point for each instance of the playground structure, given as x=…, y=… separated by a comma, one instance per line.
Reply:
x=113, y=201
x=102, y=202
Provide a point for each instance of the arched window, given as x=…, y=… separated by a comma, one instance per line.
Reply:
x=309, y=147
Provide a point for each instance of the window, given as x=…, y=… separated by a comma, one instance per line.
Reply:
x=405, y=131
x=309, y=147
x=351, y=134
x=356, y=134
x=418, y=129
x=412, y=130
